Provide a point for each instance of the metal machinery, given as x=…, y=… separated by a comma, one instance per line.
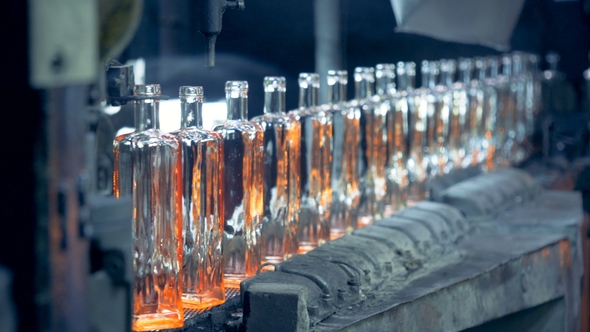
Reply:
x=66, y=246
x=494, y=251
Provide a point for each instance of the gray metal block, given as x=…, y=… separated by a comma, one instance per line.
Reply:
x=450, y=213
x=357, y=265
x=397, y=240
x=530, y=187
x=423, y=238
x=329, y=277
x=317, y=306
x=444, y=230
x=472, y=204
x=276, y=307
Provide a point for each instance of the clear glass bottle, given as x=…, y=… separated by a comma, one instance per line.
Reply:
x=438, y=124
x=315, y=165
x=282, y=136
x=458, y=115
x=397, y=132
x=506, y=122
x=486, y=71
x=473, y=126
x=373, y=146
x=419, y=104
x=342, y=147
x=518, y=87
x=202, y=189
x=242, y=187
x=352, y=139
x=385, y=74
x=152, y=159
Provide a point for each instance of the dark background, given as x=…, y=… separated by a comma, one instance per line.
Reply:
x=277, y=38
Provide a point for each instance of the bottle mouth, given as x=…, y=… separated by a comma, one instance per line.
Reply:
x=274, y=83
x=147, y=90
x=307, y=80
x=190, y=91
x=386, y=70
x=236, y=89
x=337, y=76
x=364, y=74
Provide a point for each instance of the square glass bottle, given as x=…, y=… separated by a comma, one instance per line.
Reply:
x=344, y=177
x=372, y=146
x=315, y=165
x=242, y=187
x=202, y=205
x=282, y=136
x=148, y=164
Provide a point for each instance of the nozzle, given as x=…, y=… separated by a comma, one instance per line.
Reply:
x=211, y=39
x=210, y=14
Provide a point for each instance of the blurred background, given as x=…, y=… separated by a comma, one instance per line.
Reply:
x=277, y=38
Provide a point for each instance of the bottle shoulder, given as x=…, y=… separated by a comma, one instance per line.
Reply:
x=274, y=119
x=196, y=134
x=154, y=137
x=124, y=139
x=238, y=126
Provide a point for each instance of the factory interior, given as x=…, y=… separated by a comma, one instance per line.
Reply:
x=295, y=165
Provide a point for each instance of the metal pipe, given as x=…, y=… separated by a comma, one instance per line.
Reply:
x=328, y=40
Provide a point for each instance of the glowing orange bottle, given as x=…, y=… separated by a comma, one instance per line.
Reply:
x=202, y=231
x=148, y=166
x=242, y=187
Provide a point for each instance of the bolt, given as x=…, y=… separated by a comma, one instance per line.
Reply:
x=57, y=62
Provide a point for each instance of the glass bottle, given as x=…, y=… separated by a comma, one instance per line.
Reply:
x=385, y=74
x=397, y=131
x=202, y=189
x=438, y=124
x=518, y=86
x=419, y=102
x=506, y=122
x=282, y=135
x=486, y=71
x=352, y=142
x=152, y=159
x=373, y=146
x=458, y=115
x=473, y=126
x=343, y=145
x=315, y=166
x=242, y=187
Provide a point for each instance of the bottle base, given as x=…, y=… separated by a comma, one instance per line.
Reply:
x=203, y=301
x=158, y=321
x=336, y=234
x=234, y=280
x=364, y=221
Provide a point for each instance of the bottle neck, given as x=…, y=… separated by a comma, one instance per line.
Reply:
x=433, y=75
x=425, y=79
x=385, y=78
x=336, y=92
x=506, y=67
x=410, y=80
x=383, y=84
x=516, y=66
x=446, y=77
x=237, y=105
x=363, y=89
x=402, y=80
x=480, y=71
x=274, y=101
x=308, y=96
x=191, y=112
x=493, y=73
x=465, y=75
x=147, y=114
